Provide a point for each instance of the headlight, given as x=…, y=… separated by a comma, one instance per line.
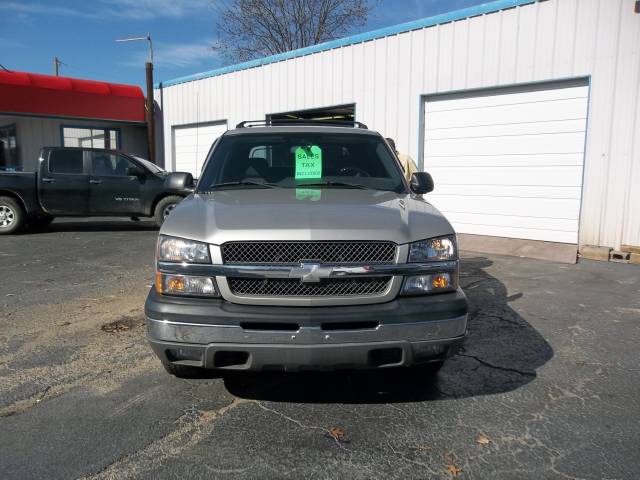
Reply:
x=187, y=285
x=441, y=248
x=430, y=283
x=171, y=249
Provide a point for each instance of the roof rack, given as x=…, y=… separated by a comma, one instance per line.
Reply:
x=300, y=121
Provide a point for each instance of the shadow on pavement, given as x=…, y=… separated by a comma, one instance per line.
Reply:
x=501, y=353
x=97, y=225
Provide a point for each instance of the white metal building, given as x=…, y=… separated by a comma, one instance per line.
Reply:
x=525, y=112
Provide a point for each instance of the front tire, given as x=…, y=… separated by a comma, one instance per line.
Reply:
x=165, y=207
x=12, y=216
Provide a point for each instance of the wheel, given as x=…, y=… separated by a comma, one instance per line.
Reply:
x=12, y=216
x=41, y=222
x=165, y=207
x=183, y=371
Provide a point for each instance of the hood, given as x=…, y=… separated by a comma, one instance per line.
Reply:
x=305, y=214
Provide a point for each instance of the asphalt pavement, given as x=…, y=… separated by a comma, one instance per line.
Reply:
x=546, y=386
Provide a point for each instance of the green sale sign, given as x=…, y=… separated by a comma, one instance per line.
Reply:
x=308, y=162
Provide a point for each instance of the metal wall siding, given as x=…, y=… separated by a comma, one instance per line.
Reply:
x=492, y=44
x=386, y=77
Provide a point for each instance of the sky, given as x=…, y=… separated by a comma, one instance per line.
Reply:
x=82, y=34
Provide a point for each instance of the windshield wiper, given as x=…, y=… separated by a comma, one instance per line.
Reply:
x=330, y=183
x=242, y=184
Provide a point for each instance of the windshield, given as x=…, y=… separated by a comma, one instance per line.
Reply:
x=150, y=165
x=298, y=159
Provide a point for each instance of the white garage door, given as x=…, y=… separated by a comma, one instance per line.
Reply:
x=191, y=144
x=508, y=162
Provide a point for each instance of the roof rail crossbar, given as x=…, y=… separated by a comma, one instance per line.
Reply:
x=300, y=121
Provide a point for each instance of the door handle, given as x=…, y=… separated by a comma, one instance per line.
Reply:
x=48, y=180
x=95, y=182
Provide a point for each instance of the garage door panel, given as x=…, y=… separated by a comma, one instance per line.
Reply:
x=186, y=147
x=570, y=109
x=531, y=160
x=551, y=208
x=185, y=163
x=565, y=176
x=503, y=129
x=530, y=223
x=508, y=145
x=500, y=191
x=509, y=163
x=191, y=144
x=534, y=95
x=518, y=232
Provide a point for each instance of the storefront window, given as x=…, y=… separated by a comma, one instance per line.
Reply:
x=90, y=137
x=9, y=158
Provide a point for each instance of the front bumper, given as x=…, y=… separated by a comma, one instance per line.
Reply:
x=222, y=335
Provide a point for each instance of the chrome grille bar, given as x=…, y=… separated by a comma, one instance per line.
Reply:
x=288, y=271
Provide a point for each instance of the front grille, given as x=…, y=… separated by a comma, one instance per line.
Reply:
x=318, y=252
x=293, y=287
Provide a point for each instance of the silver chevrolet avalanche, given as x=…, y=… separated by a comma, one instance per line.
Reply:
x=302, y=248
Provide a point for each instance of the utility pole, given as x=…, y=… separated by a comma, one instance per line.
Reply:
x=151, y=121
x=56, y=65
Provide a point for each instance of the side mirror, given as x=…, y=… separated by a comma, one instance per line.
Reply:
x=421, y=182
x=179, y=181
x=135, y=172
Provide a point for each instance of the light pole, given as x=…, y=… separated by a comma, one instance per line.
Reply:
x=151, y=130
x=56, y=65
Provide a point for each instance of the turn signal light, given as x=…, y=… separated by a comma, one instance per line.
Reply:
x=188, y=285
x=430, y=283
x=440, y=281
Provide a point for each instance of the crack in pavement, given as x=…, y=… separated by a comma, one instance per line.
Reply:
x=302, y=425
x=193, y=429
x=400, y=455
x=497, y=367
x=349, y=460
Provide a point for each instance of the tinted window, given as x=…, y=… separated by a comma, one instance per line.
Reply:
x=65, y=161
x=150, y=165
x=296, y=159
x=109, y=164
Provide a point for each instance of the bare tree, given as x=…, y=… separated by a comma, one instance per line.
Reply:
x=249, y=29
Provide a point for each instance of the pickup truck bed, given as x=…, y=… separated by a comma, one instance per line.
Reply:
x=23, y=185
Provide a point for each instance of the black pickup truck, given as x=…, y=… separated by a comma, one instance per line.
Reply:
x=75, y=182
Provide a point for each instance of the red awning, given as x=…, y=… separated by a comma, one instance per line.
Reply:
x=35, y=94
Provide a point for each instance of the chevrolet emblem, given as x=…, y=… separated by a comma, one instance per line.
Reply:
x=310, y=272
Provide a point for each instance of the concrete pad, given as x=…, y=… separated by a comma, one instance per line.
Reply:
x=594, y=252
x=556, y=252
x=630, y=248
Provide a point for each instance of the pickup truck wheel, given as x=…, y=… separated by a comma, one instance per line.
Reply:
x=11, y=216
x=165, y=207
x=183, y=371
